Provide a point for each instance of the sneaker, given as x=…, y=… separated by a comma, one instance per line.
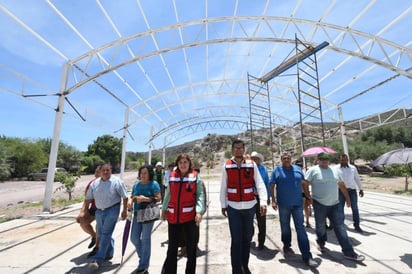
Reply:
x=142, y=271
x=91, y=254
x=310, y=262
x=94, y=265
x=355, y=257
x=92, y=242
x=108, y=258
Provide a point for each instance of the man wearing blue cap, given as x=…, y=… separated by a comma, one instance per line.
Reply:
x=326, y=183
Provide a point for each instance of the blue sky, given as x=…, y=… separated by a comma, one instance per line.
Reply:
x=66, y=30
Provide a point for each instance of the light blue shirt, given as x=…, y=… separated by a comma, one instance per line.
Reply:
x=324, y=183
x=107, y=193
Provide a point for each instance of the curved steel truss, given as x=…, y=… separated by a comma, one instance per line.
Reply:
x=160, y=74
x=173, y=72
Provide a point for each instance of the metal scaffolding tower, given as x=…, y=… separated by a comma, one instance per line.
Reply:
x=260, y=113
x=310, y=103
x=312, y=130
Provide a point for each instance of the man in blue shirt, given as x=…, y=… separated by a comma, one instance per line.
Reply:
x=289, y=181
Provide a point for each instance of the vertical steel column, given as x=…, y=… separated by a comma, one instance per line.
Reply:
x=48, y=191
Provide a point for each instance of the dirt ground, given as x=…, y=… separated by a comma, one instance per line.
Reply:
x=374, y=182
x=382, y=183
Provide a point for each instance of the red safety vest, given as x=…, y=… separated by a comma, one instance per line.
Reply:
x=240, y=182
x=182, y=203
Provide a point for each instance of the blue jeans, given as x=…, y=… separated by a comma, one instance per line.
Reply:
x=241, y=231
x=141, y=238
x=353, y=195
x=285, y=212
x=335, y=215
x=105, y=222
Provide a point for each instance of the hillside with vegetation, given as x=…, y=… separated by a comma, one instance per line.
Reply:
x=20, y=156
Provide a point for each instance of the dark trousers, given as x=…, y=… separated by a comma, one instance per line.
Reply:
x=261, y=222
x=241, y=231
x=189, y=228
x=353, y=196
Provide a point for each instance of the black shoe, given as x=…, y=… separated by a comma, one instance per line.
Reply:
x=261, y=246
x=108, y=258
x=321, y=247
x=142, y=271
x=91, y=254
x=245, y=270
x=287, y=249
x=310, y=262
x=92, y=242
x=358, y=229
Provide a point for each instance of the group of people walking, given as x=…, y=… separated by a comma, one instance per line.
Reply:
x=183, y=206
x=245, y=192
x=322, y=186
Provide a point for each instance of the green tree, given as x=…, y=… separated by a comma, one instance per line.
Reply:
x=68, y=182
x=89, y=163
x=5, y=167
x=28, y=157
x=108, y=148
x=68, y=157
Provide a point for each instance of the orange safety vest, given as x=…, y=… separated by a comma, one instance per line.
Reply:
x=182, y=203
x=240, y=182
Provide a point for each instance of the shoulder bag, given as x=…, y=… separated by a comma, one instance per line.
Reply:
x=148, y=212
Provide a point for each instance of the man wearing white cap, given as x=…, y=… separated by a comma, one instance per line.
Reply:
x=261, y=219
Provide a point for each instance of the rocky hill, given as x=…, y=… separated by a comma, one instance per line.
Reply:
x=209, y=150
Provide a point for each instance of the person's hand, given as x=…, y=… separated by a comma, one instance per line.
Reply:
x=198, y=218
x=274, y=205
x=361, y=193
x=348, y=204
x=140, y=198
x=164, y=215
x=124, y=215
x=130, y=205
x=263, y=210
x=224, y=210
